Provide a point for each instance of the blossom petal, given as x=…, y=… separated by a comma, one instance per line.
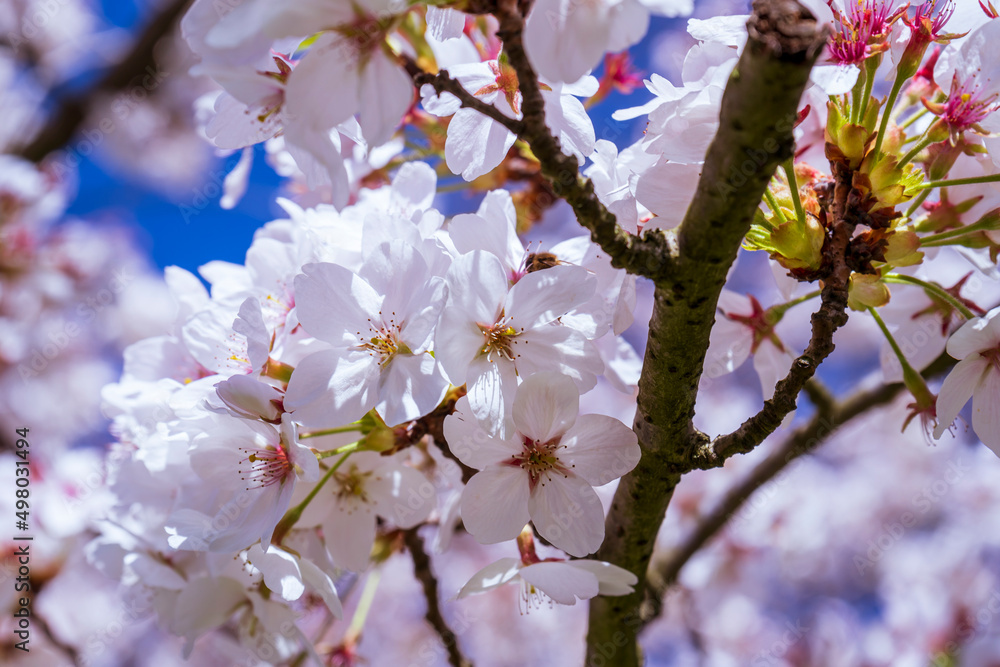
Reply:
x=976, y=335
x=542, y=296
x=280, y=570
x=567, y=512
x=600, y=449
x=332, y=387
x=835, y=79
x=545, y=406
x=613, y=580
x=561, y=349
x=401, y=494
x=772, y=365
x=349, y=533
x=475, y=144
x=561, y=581
x=470, y=443
x=333, y=302
x=667, y=190
x=963, y=380
x=322, y=584
x=307, y=95
x=492, y=576
x=985, y=412
x=409, y=388
x=491, y=387
x=385, y=92
x=495, y=504
x=206, y=602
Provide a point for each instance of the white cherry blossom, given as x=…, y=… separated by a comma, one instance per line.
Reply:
x=366, y=486
x=491, y=333
x=247, y=467
x=977, y=375
x=562, y=581
x=545, y=470
x=379, y=324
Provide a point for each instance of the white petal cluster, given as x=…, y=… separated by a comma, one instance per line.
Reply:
x=340, y=331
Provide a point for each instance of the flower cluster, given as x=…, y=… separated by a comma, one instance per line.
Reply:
x=291, y=400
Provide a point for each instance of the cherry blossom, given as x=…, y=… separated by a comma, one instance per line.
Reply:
x=408, y=350
x=977, y=375
x=243, y=465
x=974, y=88
x=490, y=333
x=366, y=486
x=379, y=324
x=562, y=581
x=544, y=471
x=744, y=328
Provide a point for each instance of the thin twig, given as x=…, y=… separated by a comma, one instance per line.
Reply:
x=422, y=571
x=443, y=83
x=664, y=570
x=832, y=315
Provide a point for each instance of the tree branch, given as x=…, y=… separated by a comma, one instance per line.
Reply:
x=72, y=113
x=649, y=255
x=830, y=417
x=831, y=315
x=663, y=571
x=443, y=83
x=422, y=570
x=755, y=135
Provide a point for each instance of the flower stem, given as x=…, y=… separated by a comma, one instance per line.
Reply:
x=772, y=204
x=353, y=632
x=946, y=238
x=856, y=98
x=345, y=449
x=914, y=118
x=350, y=428
x=915, y=205
x=911, y=378
x=887, y=111
x=775, y=313
x=975, y=180
x=295, y=513
x=868, y=76
x=933, y=289
x=793, y=186
x=921, y=145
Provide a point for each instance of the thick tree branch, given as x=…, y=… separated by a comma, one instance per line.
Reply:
x=72, y=113
x=422, y=570
x=755, y=135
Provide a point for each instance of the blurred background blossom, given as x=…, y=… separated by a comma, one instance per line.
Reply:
x=874, y=549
